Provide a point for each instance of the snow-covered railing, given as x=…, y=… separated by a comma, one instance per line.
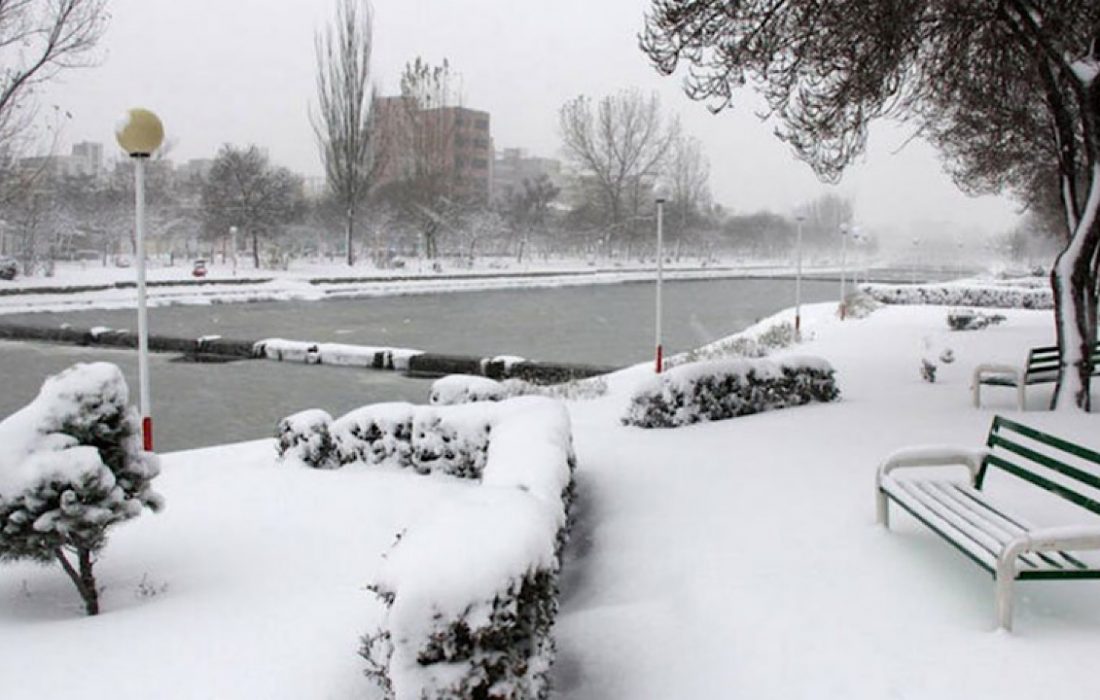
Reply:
x=471, y=590
x=334, y=354
x=719, y=389
x=991, y=295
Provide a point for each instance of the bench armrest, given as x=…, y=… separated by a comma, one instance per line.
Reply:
x=932, y=456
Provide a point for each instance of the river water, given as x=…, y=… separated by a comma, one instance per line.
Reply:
x=198, y=405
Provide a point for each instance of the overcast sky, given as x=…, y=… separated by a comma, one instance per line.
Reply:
x=241, y=71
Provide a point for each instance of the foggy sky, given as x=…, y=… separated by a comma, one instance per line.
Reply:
x=242, y=71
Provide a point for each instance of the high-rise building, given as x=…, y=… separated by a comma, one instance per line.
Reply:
x=446, y=147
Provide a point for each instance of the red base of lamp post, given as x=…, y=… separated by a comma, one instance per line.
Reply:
x=660, y=358
x=147, y=433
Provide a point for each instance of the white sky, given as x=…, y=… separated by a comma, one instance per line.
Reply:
x=241, y=71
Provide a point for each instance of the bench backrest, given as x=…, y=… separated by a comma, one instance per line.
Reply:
x=1048, y=359
x=1051, y=463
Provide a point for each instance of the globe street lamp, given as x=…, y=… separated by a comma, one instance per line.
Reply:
x=798, y=281
x=660, y=194
x=139, y=134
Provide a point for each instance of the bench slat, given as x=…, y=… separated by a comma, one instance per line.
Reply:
x=1044, y=483
x=1000, y=422
x=979, y=529
x=1047, y=461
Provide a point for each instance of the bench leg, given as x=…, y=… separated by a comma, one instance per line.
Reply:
x=1004, y=603
x=882, y=509
x=976, y=393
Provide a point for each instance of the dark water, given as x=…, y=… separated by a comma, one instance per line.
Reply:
x=199, y=405
x=600, y=324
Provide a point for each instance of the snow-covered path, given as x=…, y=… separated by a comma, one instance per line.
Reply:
x=740, y=559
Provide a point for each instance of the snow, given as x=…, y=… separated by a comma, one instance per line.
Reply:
x=333, y=353
x=736, y=558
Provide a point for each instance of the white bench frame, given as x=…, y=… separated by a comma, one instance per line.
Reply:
x=1005, y=571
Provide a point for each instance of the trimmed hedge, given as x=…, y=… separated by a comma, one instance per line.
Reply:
x=716, y=390
x=471, y=591
x=954, y=295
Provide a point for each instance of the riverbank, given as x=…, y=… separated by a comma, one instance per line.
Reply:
x=731, y=559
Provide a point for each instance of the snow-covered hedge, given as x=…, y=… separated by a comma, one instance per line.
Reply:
x=959, y=295
x=472, y=589
x=71, y=465
x=715, y=390
x=465, y=388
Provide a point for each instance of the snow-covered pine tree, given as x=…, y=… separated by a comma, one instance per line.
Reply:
x=71, y=465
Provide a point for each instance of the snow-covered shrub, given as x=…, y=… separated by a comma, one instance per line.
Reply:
x=928, y=371
x=720, y=389
x=971, y=320
x=472, y=591
x=71, y=465
x=776, y=337
x=860, y=305
x=465, y=388
x=376, y=434
x=457, y=389
x=985, y=296
x=304, y=437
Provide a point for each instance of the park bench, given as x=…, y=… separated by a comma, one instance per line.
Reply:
x=1041, y=368
x=1003, y=543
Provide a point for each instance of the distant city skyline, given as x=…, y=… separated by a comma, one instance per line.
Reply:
x=243, y=73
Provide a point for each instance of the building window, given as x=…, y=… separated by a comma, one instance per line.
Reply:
x=483, y=124
x=480, y=164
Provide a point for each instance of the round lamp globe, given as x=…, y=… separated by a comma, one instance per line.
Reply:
x=139, y=132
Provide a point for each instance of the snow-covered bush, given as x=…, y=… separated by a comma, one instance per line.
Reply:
x=472, y=591
x=457, y=389
x=860, y=305
x=465, y=388
x=720, y=389
x=986, y=296
x=971, y=320
x=71, y=465
x=304, y=437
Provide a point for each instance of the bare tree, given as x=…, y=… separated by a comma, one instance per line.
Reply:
x=688, y=175
x=617, y=146
x=344, y=124
x=38, y=39
x=1008, y=90
x=244, y=190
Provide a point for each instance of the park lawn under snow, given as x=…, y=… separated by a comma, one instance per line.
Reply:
x=731, y=559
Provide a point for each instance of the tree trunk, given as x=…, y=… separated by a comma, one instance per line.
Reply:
x=350, y=229
x=1075, y=303
x=255, y=249
x=84, y=580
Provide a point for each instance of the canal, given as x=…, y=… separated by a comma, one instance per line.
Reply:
x=202, y=404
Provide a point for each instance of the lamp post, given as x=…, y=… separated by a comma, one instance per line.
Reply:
x=798, y=281
x=916, y=256
x=660, y=194
x=233, y=247
x=843, y=266
x=139, y=135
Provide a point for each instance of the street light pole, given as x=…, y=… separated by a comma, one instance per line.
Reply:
x=139, y=135
x=233, y=247
x=843, y=267
x=798, y=282
x=660, y=194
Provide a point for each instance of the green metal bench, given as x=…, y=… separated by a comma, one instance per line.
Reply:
x=1003, y=543
x=1041, y=368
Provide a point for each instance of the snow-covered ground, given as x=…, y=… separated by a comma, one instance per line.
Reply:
x=736, y=559
x=76, y=286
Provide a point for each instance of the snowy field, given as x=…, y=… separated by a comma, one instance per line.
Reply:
x=736, y=559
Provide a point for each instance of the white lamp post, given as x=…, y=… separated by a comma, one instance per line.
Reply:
x=139, y=134
x=660, y=194
x=798, y=281
x=843, y=267
x=233, y=247
x=916, y=244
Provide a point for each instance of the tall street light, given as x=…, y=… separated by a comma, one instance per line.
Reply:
x=843, y=267
x=660, y=194
x=798, y=281
x=140, y=134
